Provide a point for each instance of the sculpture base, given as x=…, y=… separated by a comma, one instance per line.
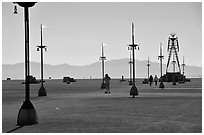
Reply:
x=130, y=83
x=161, y=85
x=27, y=114
x=133, y=91
x=42, y=92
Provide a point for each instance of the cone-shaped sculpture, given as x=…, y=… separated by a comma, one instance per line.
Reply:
x=42, y=92
x=133, y=91
x=161, y=85
x=27, y=114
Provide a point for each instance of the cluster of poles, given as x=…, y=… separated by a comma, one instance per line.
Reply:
x=27, y=114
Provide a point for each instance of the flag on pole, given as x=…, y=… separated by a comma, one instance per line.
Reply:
x=104, y=44
x=43, y=26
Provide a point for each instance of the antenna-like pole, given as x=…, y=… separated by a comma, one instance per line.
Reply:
x=42, y=91
x=130, y=62
x=161, y=85
x=148, y=66
x=102, y=58
x=183, y=65
x=133, y=90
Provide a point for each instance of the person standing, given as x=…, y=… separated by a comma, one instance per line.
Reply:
x=107, y=83
x=150, y=80
x=155, y=79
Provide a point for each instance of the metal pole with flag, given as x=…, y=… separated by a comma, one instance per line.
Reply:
x=102, y=58
x=42, y=91
x=133, y=90
x=161, y=85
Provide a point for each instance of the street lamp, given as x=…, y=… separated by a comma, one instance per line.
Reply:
x=130, y=62
x=133, y=90
x=161, y=85
x=42, y=91
x=27, y=114
x=102, y=58
x=148, y=65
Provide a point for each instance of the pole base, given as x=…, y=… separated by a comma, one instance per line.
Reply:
x=27, y=115
x=130, y=83
x=103, y=86
x=161, y=85
x=133, y=91
x=42, y=92
x=174, y=83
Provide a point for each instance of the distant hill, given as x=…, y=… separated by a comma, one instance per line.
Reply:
x=115, y=68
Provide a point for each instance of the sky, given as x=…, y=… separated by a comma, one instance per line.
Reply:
x=76, y=31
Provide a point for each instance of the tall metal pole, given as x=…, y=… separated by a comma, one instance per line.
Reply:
x=161, y=85
x=148, y=65
x=27, y=114
x=103, y=67
x=27, y=83
x=183, y=65
x=41, y=56
x=102, y=63
x=130, y=62
x=133, y=90
x=42, y=91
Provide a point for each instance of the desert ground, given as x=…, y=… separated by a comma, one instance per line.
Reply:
x=82, y=107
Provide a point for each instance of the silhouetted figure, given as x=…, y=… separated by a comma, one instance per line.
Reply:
x=150, y=80
x=107, y=83
x=122, y=80
x=155, y=79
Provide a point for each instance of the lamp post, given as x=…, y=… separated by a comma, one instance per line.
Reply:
x=27, y=114
x=133, y=90
x=183, y=65
x=148, y=65
x=102, y=58
x=161, y=85
x=42, y=91
x=130, y=62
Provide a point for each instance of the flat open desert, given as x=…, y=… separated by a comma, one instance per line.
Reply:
x=82, y=107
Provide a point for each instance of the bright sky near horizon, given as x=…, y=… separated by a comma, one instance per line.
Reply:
x=77, y=30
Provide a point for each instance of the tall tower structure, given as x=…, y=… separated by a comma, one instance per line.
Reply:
x=173, y=49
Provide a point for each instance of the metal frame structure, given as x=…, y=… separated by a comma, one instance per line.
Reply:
x=173, y=49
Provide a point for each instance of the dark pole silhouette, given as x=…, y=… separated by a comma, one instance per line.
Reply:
x=161, y=85
x=102, y=58
x=148, y=65
x=130, y=62
x=42, y=91
x=133, y=90
x=183, y=65
x=27, y=114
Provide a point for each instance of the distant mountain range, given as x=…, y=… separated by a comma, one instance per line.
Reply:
x=115, y=68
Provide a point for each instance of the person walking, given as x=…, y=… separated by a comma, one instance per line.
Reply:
x=155, y=79
x=150, y=80
x=107, y=83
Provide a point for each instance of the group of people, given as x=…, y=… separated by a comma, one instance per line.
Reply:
x=151, y=79
x=107, y=82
